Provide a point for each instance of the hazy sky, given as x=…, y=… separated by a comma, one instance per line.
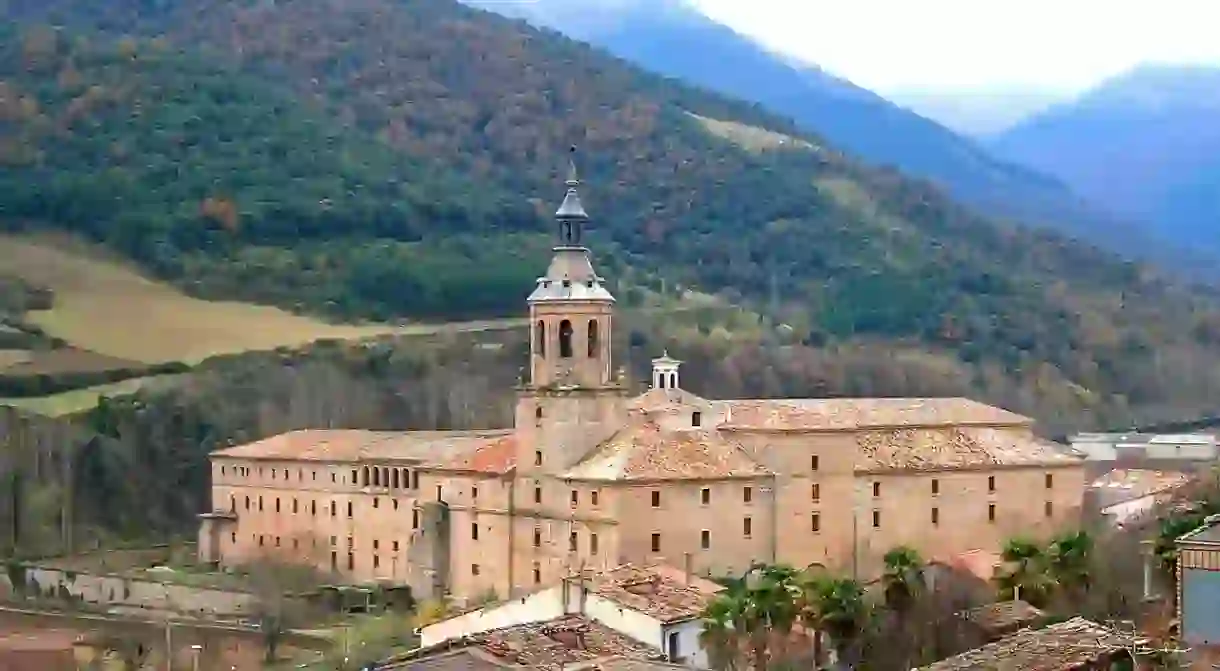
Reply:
x=892, y=45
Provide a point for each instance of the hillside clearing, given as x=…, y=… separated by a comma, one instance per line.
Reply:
x=106, y=307
x=751, y=138
x=80, y=400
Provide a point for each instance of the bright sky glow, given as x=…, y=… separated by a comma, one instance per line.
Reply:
x=956, y=45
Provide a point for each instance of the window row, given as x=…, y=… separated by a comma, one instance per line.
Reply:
x=1048, y=483
x=705, y=496
x=256, y=503
x=385, y=476
x=573, y=540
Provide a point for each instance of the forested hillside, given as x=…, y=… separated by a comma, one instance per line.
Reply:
x=387, y=158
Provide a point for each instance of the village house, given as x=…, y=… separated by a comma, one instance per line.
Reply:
x=591, y=477
x=657, y=605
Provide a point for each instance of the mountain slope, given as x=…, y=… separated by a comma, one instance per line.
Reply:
x=397, y=157
x=672, y=38
x=977, y=114
x=1146, y=144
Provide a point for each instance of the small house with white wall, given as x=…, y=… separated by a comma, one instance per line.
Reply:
x=1124, y=496
x=1145, y=446
x=657, y=605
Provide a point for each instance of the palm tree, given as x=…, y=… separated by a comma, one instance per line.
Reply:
x=1069, y=557
x=1026, y=574
x=903, y=578
x=903, y=583
x=776, y=594
x=719, y=636
x=837, y=607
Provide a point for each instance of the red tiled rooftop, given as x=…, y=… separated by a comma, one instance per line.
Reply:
x=497, y=455
x=954, y=447
x=644, y=450
x=665, y=593
x=839, y=414
x=1138, y=483
x=561, y=642
x=437, y=447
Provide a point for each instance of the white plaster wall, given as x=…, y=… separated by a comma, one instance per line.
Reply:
x=537, y=607
x=1127, y=511
x=688, y=642
x=637, y=625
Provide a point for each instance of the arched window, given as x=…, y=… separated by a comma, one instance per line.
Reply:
x=565, y=339
x=593, y=338
x=540, y=338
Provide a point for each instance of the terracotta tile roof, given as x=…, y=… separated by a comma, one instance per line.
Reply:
x=566, y=641
x=1066, y=645
x=837, y=414
x=643, y=450
x=953, y=447
x=665, y=399
x=360, y=444
x=661, y=592
x=1003, y=615
x=1138, y=483
x=496, y=455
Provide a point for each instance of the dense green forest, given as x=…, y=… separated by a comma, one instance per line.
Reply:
x=399, y=158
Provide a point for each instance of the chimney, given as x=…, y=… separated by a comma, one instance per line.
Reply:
x=686, y=570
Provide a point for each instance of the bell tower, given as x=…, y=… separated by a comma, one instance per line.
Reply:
x=572, y=399
x=571, y=311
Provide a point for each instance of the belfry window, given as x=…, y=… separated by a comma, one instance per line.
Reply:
x=540, y=338
x=593, y=339
x=565, y=339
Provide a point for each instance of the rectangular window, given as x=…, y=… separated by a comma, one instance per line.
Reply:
x=233, y=537
x=334, y=540
x=991, y=483
x=351, y=561
x=1050, y=481
x=696, y=418
x=474, y=531
x=592, y=544
x=572, y=542
x=376, y=502
x=747, y=494
x=705, y=539
x=474, y=492
x=656, y=542
x=815, y=523
x=537, y=495
x=747, y=527
x=537, y=575
x=538, y=457
x=575, y=498
x=474, y=569
x=935, y=516
x=396, y=546
x=1048, y=508
x=439, y=493
x=815, y=492
x=537, y=537
x=376, y=561
x=876, y=489
x=813, y=463
x=376, y=543
x=705, y=496
x=349, y=509
x=876, y=519
x=656, y=499
x=593, y=497
x=991, y=512
x=935, y=486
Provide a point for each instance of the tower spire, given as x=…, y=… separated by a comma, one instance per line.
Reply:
x=571, y=215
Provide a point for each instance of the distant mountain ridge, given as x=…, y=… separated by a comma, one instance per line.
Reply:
x=977, y=114
x=673, y=38
x=1146, y=144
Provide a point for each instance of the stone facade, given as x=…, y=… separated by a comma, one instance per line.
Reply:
x=591, y=477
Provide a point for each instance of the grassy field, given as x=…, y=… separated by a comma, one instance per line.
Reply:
x=80, y=400
x=106, y=307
